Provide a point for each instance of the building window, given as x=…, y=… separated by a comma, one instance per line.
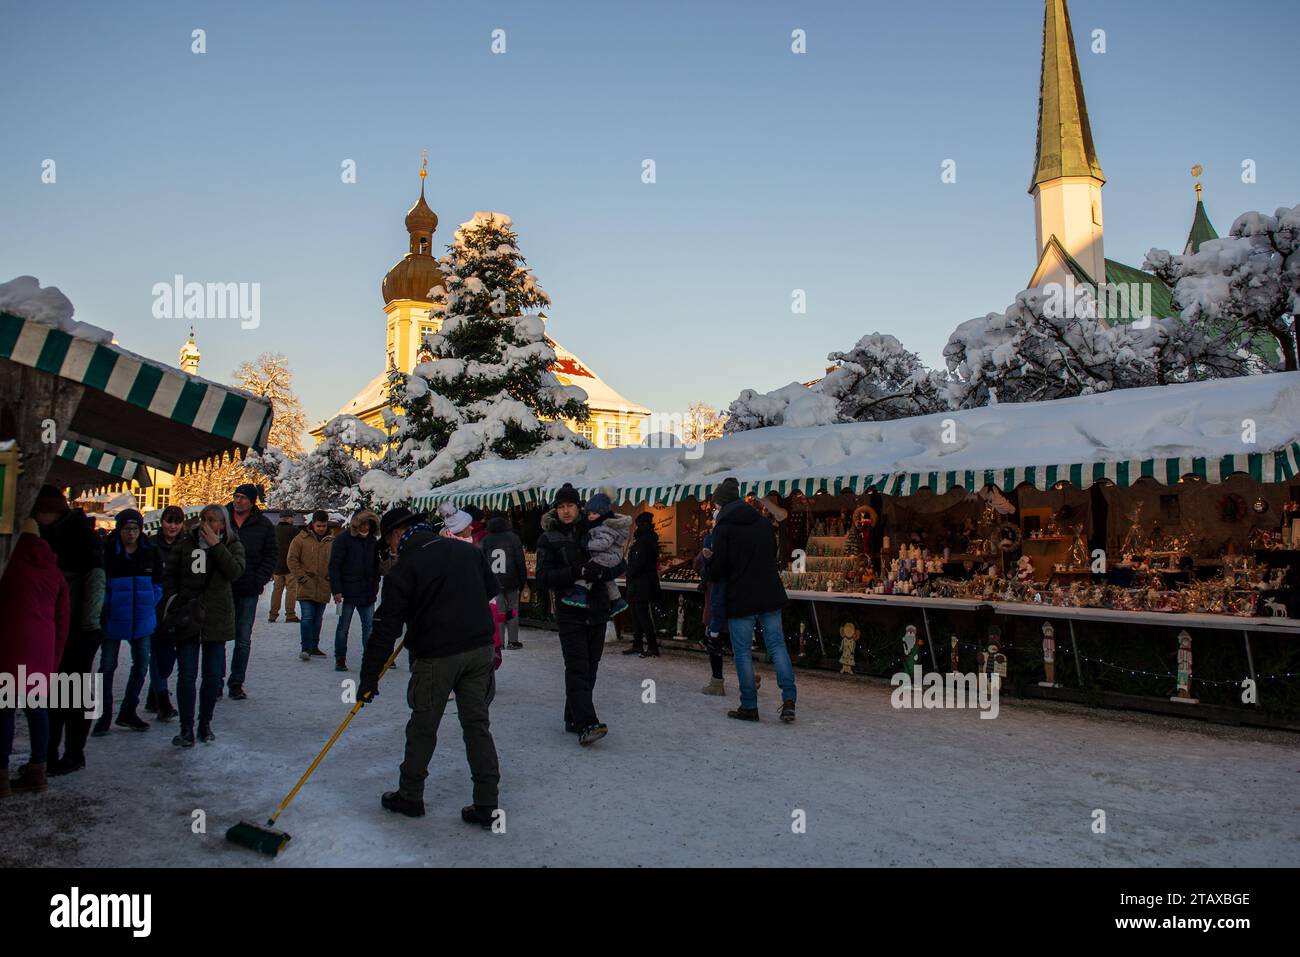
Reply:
x=613, y=435
x=139, y=497
x=164, y=497
x=587, y=431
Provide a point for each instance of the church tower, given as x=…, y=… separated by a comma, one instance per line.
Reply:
x=190, y=355
x=1067, y=178
x=406, y=286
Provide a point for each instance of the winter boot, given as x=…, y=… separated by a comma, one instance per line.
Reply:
x=393, y=801
x=316, y=653
x=129, y=719
x=205, y=733
x=340, y=664
x=151, y=702
x=787, y=711
x=66, y=764
x=32, y=778
x=237, y=693
x=616, y=609
x=5, y=790
x=592, y=734
x=714, y=687
x=744, y=714
x=571, y=728
x=480, y=814
x=576, y=598
x=102, y=726
x=650, y=652
x=304, y=655
x=291, y=619
x=514, y=645
x=634, y=650
x=165, y=710
x=185, y=739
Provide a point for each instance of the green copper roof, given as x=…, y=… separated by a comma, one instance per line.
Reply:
x=1064, y=135
x=1162, y=300
x=1202, y=230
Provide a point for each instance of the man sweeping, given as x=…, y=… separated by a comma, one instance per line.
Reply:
x=438, y=589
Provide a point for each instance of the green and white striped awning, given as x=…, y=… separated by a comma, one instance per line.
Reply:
x=111, y=463
x=1281, y=465
x=146, y=412
x=153, y=518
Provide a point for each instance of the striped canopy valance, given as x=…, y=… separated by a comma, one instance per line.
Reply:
x=111, y=463
x=1280, y=465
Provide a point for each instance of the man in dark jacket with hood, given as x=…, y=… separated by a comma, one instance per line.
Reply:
x=643, y=585
x=80, y=554
x=438, y=590
x=505, y=553
x=743, y=557
x=561, y=562
x=354, y=580
x=257, y=535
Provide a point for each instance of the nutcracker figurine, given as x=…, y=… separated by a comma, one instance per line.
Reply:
x=956, y=655
x=681, y=616
x=1184, y=694
x=848, y=647
x=911, y=649
x=1049, y=656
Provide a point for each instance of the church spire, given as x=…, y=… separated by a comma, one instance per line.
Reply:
x=1064, y=134
x=1202, y=229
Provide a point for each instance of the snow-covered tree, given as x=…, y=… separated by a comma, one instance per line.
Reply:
x=269, y=376
x=1036, y=351
x=1244, y=288
x=327, y=476
x=487, y=386
x=702, y=423
x=793, y=404
x=878, y=379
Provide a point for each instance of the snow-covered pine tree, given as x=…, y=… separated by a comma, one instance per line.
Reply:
x=327, y=476
x=487, y=385
x=1245, y=287
x=878, y=379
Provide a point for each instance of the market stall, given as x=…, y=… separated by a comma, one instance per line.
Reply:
x=78, y=411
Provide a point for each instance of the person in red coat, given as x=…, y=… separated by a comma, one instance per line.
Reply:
x=30, y=645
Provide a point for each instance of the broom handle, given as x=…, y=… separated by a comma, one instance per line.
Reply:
x=329, y=744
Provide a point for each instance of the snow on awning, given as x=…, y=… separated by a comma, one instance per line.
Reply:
x=1210, y=430
x=135, y=409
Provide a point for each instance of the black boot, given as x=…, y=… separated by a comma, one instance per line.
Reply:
x=393, y=801
x=151, y=702
x=66, y=764
x=205, y=733
x=165, y=710
x=480, y=814
x=129, y=719
x=102, y=726
x=636, y=649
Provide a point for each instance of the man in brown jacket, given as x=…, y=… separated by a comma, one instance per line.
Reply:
x=309, y=566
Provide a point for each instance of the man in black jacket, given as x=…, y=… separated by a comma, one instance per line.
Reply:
x=505, y=554
x=438, y=590
x=744, y=559
x=257, y=535
x=561, y=561
x=643, y=586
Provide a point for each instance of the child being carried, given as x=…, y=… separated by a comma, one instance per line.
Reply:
x=605, y=541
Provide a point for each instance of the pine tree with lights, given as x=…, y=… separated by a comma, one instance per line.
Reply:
x=486, y=384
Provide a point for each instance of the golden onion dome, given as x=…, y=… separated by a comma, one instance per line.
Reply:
x=417, y=272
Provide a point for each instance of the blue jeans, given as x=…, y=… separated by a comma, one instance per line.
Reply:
x=188, y=656
x=161, y=662
x=742, y=636
x=108, y=655
x=366, y=613
x=38, y=729
x=245, y=612
x=312, y=615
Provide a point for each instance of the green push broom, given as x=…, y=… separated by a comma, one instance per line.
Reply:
x=267, y=839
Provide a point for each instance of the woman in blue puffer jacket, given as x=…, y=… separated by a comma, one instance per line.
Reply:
x=130, y=602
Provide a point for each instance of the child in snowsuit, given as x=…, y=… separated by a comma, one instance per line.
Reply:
x=605, y=541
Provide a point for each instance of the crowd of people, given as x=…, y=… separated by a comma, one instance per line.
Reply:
x=451, y=590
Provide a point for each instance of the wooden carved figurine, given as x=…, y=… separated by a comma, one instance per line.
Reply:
x=1049, y=656
x=848, y=647
x=1184, y=693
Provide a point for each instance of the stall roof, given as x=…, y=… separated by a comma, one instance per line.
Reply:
x=135, y=412
x=1209, y=429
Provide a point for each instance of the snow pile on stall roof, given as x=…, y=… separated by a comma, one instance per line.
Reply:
x=24, y=297
x=1200, y=419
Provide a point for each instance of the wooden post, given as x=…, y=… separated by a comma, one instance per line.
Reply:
x=1250, y=663
x=934, y=662
x=29, y=398
x=1074, y=645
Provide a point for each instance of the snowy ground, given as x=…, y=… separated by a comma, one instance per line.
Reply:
x=675, y=782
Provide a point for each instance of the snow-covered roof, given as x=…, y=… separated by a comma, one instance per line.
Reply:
x=1210, y=429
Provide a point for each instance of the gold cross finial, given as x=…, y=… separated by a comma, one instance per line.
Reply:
x=1197, y=170
x=424, y=163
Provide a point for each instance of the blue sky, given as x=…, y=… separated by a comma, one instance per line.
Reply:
x=775, y=171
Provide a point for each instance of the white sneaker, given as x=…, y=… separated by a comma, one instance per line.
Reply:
x=304, y=656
